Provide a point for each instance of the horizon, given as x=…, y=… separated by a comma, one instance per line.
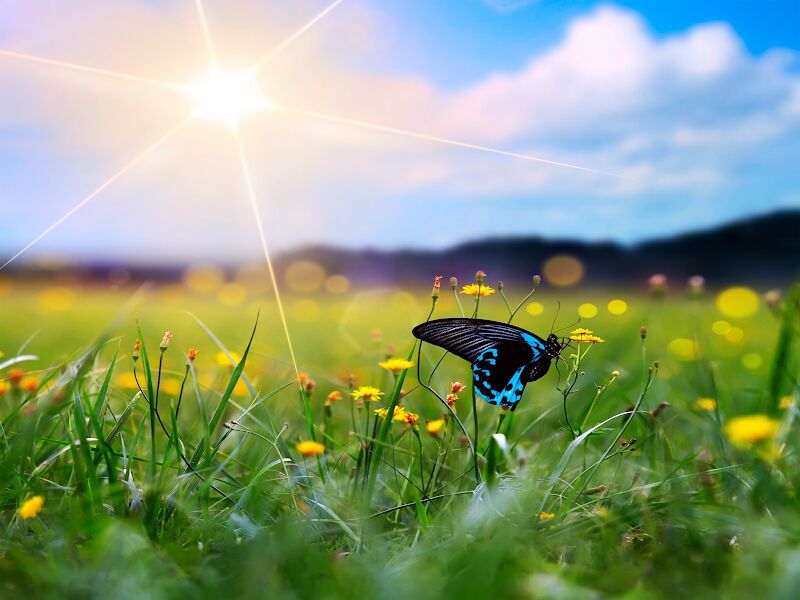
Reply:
x=696, y=103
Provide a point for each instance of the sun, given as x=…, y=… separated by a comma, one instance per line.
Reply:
x=226, y=96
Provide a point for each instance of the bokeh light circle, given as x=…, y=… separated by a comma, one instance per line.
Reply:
x=535, y=308
x=587, y=310
x=563, y=270
x=734, y=335
x=337, y=284
x=720, y=327
x=752, y=361
x=683, y=349
x=203, y=278
x=737, y=302
x=617, y=307
x=304, y=276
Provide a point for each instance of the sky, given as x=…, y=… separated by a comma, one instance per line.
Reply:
x=682, y=115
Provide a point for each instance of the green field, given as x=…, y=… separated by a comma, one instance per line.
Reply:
x=650, y=494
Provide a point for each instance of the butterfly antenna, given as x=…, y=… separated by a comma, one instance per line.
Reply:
x=558, y=310
x=568, y=326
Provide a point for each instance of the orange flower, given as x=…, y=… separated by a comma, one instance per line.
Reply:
x=310, y=448
x=333, y=397
x=410, y=418
x=15, y=375
x=192, y=353
x=30, y=384
x=456, y=387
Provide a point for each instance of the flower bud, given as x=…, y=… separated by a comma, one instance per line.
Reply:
x=615, y=373
x=437, y=283
x=537, y=279
x=773, y=299
x=453, y=283
x=192, y=354
x=500, y=286
x=165, y=340
x=480, y=277
x=643, y=331
x=137, y=348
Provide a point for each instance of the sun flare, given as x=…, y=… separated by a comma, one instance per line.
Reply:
x=226, y=96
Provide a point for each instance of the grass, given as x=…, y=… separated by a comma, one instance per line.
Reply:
x=203, y=491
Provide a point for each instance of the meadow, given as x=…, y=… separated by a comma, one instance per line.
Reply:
x=659, y=458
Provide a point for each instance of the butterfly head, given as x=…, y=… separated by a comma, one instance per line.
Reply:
x=552, y=345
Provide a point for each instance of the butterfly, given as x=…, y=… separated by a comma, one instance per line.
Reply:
x=504, y=357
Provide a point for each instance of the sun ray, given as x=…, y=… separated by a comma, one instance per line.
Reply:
x=436, y=138
x=107, y=183
x=280, y=47
x=104, y=72
x=267, y=257
x=206, y=31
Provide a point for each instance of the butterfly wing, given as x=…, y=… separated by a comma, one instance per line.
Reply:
x=468, y=338
x=500, y=374
x=503, y=356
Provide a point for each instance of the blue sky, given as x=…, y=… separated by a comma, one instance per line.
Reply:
x=695, y=105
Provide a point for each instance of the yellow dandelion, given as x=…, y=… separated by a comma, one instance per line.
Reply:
x=708, y=404
x=546, y=516
x=581, y=331
x=367, y=392
x=395, y=365
x=31, y=507
x=751, y=429
x=475, y=290
x=435, y=427
x=223, y=360
x=310, y=448
x=786, y=403
x=397, y=415
x=585, y=336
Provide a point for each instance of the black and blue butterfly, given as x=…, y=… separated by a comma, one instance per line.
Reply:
x=504, y=357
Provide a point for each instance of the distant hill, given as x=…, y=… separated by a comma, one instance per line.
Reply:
x=759, y=249
x=763, y=249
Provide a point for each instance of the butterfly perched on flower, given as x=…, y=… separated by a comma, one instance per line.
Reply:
x=504, y=357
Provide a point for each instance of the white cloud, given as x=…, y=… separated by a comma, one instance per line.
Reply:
x=685, y=114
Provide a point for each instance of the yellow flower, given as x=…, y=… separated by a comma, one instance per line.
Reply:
x=546, y=516
x=706, y=404
x=787, y=402
x=475, y=290
x=3, y=387
x=581, y=331
x=748, y=430
x=397, y=415
x=435, y=427
x=31, y=507
x=223, y=360
x=407, y=417
x=367, y=392
x=584, y=336
x=127, y=381
x=395, y=365
x=310, y=448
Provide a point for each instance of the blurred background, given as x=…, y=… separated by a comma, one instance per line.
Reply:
x=675, y=125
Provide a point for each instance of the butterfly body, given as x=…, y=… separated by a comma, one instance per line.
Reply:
x=504, y=357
